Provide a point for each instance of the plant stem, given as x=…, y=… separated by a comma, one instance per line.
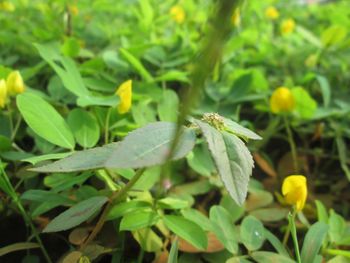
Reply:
x=291, y=144
x=293, y=230
x=14, y=132
x=35, y=232
x=114, y=198
x=108, y=116
x=12, y=193
x=208, y=57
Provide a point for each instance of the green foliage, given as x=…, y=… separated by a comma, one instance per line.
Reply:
x=45, y=120
x=76, y=214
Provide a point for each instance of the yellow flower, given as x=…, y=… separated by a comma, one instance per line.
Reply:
x=177, y=13
x=272, y=13
x=7, y=6
x=294, y=190
x=287, y=26
x=74, y=10
x=14, y=82
x=282, y=100
x=236, y=18
x=125, y=93
x=3, y=93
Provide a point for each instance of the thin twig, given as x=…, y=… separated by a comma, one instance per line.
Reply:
x=117, y=196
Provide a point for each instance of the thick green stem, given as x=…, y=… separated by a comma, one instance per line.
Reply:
x=291, y=144
x=293, y=231
x=116, y=197
x=210, y=54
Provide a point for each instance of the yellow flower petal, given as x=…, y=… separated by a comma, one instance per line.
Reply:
x=125, y=94
x=236, y=18
x=287, y=26
x=272, y=13
x=294, y=190
x=14, y=82
x=282, y=100
x=3, y=93
x=177, y=13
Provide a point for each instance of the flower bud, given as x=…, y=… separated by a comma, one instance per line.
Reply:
x=14, y=82
x=287, y=26
x=177, y=13
x=272, y=13
x=282, y=100
x=125, y=94
x=236, y=18
x=294, y=190
x=3, y=93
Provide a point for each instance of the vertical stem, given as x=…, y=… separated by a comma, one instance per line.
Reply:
x=291, y=144
x=114, y=198
x=208, y=57
x=14, y=132
x=293, y=231
x=108, y=116
x=12, y=193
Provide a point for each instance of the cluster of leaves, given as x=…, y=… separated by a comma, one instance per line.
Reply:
x=113, y=170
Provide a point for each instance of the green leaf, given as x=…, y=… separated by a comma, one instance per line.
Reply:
x=64, y=67
x=143, y=113
x=46, y=200
x=136, y=64
x=252, y=233
x=148, y=240
x=80, y=161
x=187, y=230
x=337, y=226
x=322, y=214
x=198, y=218
x=232, y=158
x=224, y=228
x=276, y=243
x=305, y=105
x=313, y=241
x=200, y=161
x=239, y=130
x=333, y=35
x=325, y=89
x=59, y=182
x=167, y=107
x=173, y=251
x=236, y=211
x=92, y=100
x=270, y=214
x=70, y=47
x=17, y=247
x=44, y=120
x=172, y=203
x=53, y=156
x=309, y=36
x=138, y=220
x=342, y=152
x=84, y=127
x=150, y=145
x=5, y=143
x=270, y=257
x=173, y=75
x=76, y=215
x=127, y=207
x=147, y=146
